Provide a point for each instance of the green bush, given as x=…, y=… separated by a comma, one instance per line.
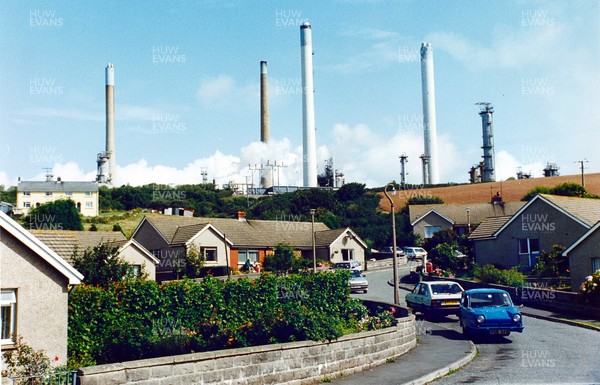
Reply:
x=508, y=277
x=590, y=288
x=136, y=319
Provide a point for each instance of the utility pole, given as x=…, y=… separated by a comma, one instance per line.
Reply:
x=581, y=162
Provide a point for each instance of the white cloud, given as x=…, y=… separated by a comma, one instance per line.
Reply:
x=222, y=93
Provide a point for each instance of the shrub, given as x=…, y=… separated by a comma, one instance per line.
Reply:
x=508, y=277
x=590, y=288
x=24, y=361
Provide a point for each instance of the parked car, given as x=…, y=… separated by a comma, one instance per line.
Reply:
x=435, y=298
x=350, y=265
x=358, y=282
x=390, y=249
x=415, y=252
x=489, y=312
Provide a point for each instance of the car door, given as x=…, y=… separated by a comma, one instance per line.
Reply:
x=414, y=296
x=464, y=306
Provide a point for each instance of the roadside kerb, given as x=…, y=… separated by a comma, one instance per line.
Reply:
x=446, y=369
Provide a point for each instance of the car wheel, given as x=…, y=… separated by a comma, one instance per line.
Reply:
x=465, y=331
x=365, y=291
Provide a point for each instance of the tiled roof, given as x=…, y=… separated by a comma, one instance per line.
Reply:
x=489, y=226
x=55, y=186
x=585, y=209
x=65, y=242
x=244, y=233
x=458, y=212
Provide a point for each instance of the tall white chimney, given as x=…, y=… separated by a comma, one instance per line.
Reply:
x=266, y=179
x=430, y=157
x=309, y=141
x=110, y=124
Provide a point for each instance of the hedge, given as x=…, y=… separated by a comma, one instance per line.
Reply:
x=136, y=319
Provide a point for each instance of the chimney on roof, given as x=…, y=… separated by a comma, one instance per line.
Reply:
x=241, y=216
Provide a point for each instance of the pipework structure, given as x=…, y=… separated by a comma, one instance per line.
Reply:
x=486, y=112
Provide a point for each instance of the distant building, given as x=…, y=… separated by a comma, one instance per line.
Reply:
x=31, y=194
x=6, y=207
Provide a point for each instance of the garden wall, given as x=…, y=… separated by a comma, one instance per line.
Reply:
x=384, y=263
x=553, y=300
x=305, y=362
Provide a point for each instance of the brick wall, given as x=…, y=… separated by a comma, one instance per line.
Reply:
x=294, y=363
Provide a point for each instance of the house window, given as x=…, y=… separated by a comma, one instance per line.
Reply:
x=135, y=271
x=530, y=247
x=244, y=255
x=8, y=306
x=430, y=230
x=89, y=205
x=48, y=193
x=88, y=193
x=595, y=264
x=27, y=204
x=69, y=193
x=27, y=193
x=210, y=254
x=347, y=254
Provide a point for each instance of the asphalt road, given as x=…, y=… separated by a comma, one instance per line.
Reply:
x=545, y=353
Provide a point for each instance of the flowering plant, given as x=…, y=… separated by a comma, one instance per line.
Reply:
x=590, y=288
x=437, y=272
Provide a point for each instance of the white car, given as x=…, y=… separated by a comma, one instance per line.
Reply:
x=350, y=265
x=358, y=282
x=415, y=252
x=435, y=298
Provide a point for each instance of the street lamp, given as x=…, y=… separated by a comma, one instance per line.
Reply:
x=395, y=253
x=312, y=233
x=468, y=220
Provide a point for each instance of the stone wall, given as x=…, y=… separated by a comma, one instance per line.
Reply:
x=384, y=263
x=305, y=362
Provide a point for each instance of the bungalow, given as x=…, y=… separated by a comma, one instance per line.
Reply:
x=542, y=222
x=35, y=284
x=426, y=220
x=229, y=241
x=584, y=256
x=66, y=243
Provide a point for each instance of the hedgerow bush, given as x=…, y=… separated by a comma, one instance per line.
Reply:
x=136, y=319
x=590, y=288
x=508, y=277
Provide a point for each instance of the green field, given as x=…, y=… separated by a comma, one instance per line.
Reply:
x=128, y=221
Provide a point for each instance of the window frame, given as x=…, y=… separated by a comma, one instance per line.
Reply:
x=216, y=253
x=11, y=304
x=246, y=253
x=350, y=253
x=430, y=230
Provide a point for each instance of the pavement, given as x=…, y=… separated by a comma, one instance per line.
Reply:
x=431, y=359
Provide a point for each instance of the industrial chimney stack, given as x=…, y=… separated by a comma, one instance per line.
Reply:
x=430, y=157
x=486, y=113
x=309, y=141
x=266, y=179
x=110, y=124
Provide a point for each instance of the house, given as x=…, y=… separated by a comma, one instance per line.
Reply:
x=6, y=207
x=542, y=222
x=231, y=241
x=34, y=193
x=584, y=256
x=65, y=243
x=426, y=220
x=35, y=283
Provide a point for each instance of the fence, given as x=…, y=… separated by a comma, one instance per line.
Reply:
x=60, y=378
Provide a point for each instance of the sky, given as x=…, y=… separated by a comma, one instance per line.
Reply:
x=187, y=87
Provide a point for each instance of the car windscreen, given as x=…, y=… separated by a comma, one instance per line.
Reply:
x=490, y=299
x=355, y=274
x=445, y=288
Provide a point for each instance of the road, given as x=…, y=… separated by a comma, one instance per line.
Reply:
x=545, y=353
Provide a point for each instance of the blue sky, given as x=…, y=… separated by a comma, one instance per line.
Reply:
x=187, y=86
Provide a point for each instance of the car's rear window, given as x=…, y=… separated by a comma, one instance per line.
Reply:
x=444, y=288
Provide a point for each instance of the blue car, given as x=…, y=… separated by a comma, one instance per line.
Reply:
x=489, y=312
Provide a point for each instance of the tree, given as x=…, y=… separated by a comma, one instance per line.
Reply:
x=101, y=265
x=195, y=260
x=564, y=189
x=284, y=260
x=58, y=215
x=551, y=264
x=327, y=178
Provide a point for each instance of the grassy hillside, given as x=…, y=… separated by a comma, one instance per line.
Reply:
x=126, y=219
